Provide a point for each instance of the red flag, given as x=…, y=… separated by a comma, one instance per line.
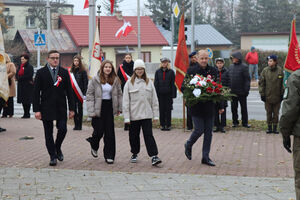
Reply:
x=182, y=58
x=112, y=2
x=86, y=4
x=292, y=61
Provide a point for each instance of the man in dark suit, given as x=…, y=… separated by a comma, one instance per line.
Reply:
x=51, y=87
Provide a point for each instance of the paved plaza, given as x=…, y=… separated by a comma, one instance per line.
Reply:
x=250, y=165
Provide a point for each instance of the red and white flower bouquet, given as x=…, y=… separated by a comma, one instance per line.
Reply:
x=198, y=88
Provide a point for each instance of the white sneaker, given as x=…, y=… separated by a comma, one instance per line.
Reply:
x=109, y=161
x=94, y=153
x=133, y=158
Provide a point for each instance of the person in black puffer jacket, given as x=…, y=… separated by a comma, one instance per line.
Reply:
x=164, y=83
x=82, y=81
x=238, y=80
x=202, y=112
x=124, y=73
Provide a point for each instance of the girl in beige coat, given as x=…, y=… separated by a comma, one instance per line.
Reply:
x=104, y=100
x=140, y=106
x=11, y=71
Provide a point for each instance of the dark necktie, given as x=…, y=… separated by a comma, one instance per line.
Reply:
x=54, y=74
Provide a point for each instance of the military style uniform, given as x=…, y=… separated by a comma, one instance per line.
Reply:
x=271, y=91
x=290, y=122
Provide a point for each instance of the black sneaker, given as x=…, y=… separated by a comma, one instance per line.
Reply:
x=155, y=161
x=133, y=158
x=163, y=128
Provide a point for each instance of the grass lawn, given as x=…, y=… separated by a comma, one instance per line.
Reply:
x=256, y=125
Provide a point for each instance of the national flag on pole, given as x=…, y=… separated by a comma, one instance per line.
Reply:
x=4, y=87
x=124, y=30
x=112, y=2
x=86, y=4
x=182, y=58
x=292, y=61
x=96, y=55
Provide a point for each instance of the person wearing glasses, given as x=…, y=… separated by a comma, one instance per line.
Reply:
x=51, y=87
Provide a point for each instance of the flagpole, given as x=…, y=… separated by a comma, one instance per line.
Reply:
x=139, y=29
x=92, y=24
x=99, y=12
x=193, y=27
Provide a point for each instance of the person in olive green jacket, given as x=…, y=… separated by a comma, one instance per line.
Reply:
x=290, y=123
x=271, y=91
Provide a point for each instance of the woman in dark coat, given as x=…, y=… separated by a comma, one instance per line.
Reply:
x=81, y=78
x=124, y=73
x=24, y=77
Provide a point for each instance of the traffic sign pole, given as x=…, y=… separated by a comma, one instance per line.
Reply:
x=38, y=52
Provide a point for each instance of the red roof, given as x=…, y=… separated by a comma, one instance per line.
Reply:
x=78, y=27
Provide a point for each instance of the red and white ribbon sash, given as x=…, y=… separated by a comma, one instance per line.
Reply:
x=126, y=77
x=75, y=87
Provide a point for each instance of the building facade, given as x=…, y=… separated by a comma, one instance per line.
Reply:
x=30, y=14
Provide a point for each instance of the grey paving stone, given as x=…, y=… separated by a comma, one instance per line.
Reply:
x=54, y=184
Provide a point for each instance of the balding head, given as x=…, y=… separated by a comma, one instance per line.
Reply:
x=203, y=58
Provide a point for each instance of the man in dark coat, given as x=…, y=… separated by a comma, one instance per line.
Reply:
x=51, y=87
x=238, y=80
x=202, y=112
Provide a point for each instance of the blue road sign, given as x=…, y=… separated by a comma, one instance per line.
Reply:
x=39, y=39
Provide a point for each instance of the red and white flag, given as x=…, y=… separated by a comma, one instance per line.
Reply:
x=96, y=56
x=86, y=4
x=124, y=30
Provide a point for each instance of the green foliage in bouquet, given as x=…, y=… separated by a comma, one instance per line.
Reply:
x=198, y=88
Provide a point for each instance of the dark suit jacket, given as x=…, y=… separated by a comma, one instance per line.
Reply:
x=49, y=99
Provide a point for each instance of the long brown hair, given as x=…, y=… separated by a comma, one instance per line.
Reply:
x=111, y=77
x=81, y=68
x=144, y=76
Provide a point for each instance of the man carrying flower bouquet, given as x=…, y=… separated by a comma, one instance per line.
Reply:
x=202, y=111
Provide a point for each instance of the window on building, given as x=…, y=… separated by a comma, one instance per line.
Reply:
x=9, y=21
x=30, y=22
x=146, y=56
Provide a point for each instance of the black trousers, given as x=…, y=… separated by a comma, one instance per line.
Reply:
x=54, y=147
x=134, y=136
x=9, y=110
x=220, y=119
x=202, y=125
x=104, y=125
x=165, y=109
x=26, y=108
x=234, y=109
x=189, y=121
x=78, y=113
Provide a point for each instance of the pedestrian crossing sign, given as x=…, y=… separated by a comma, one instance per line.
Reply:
x=39, y=39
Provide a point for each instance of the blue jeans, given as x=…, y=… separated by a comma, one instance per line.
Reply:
x=202, y=125
x=253, y=69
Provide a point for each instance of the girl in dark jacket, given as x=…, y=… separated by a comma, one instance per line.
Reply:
x=124, y=73
x=24, y=77
x=164, y=83
x=81, y=78
x=220, y=106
